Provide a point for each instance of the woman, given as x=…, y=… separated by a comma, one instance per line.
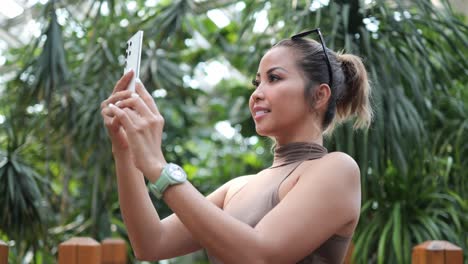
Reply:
x=302, y=209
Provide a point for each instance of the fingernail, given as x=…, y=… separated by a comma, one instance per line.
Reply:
x=112, y=105
x=135, y=95
x=118, y=102
x=139, y=81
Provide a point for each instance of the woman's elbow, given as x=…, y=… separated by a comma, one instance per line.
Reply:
x=141, y=256
x=246, y=256
x=147, y=254
x=269, y=254
x=260, y=260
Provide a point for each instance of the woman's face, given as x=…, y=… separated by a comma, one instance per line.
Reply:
x=277, y=105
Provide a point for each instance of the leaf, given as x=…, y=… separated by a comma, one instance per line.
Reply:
x=397, y=232
x=381, y=256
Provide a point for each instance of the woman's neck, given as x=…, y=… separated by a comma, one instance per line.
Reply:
x=296, y=152
x=310, y=131
x=316, y=138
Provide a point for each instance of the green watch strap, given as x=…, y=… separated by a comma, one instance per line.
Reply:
x=158, y=187
x=170, y=175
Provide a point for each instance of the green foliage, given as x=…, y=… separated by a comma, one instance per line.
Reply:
x=22, y=204
x=56, y=165
x=408, y=210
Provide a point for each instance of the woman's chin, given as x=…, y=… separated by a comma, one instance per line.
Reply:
x=262, y=131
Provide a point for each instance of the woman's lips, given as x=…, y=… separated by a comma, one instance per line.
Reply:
x=260, y=114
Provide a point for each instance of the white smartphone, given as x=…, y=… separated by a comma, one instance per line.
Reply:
x=133, y=57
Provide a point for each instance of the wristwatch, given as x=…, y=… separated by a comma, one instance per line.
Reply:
x=171, y=174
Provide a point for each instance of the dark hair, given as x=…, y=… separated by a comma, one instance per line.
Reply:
x=350, y=88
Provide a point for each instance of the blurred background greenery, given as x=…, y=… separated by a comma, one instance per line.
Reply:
x=60, y=59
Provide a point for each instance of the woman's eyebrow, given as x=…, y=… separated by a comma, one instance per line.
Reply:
x=273, y=69
x=276, y=68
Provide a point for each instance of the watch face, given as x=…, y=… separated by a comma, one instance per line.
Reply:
x=177, y=173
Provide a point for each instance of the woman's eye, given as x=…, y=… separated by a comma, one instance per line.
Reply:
x=255, y=83
x=273, y=78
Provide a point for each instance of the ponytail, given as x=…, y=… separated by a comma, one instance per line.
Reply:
x=354, y=99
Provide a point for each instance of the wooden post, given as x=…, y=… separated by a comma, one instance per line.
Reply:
x=79, y=250
x=3, y=252
x=114, y=251
x=437, y=252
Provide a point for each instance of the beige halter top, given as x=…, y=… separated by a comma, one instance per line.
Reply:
x=251, y=210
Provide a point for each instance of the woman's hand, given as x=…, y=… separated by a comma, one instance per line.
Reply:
x=142, y=125
x=115, y=130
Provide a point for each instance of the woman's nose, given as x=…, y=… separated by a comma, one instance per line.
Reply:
x=257, y=95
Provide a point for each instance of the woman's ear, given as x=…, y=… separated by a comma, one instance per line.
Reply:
x=322, y=95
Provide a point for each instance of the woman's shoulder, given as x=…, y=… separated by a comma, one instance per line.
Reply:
x=342, y=160
x=335, y=173
x=334, y=165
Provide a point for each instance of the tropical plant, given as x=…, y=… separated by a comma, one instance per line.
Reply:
x=412, y=159
x=23, y=205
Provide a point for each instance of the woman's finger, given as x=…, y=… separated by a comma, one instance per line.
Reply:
x=122, y=84
x=110, y=121
x=107, y=113
x=137, y=119
x=136, y=103
x=115, y=97
x=146, y=97
x=115, y=122
x=118, y=96
x=122, y=117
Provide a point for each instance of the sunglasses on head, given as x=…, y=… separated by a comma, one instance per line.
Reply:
x=327, y=60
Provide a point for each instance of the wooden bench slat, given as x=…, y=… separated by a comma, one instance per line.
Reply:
x=80, y=250
x=3, y=252
x=114, y=251
x=437, y=252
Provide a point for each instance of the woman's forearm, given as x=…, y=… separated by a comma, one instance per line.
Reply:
x=140, y=217
x=222, y=235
